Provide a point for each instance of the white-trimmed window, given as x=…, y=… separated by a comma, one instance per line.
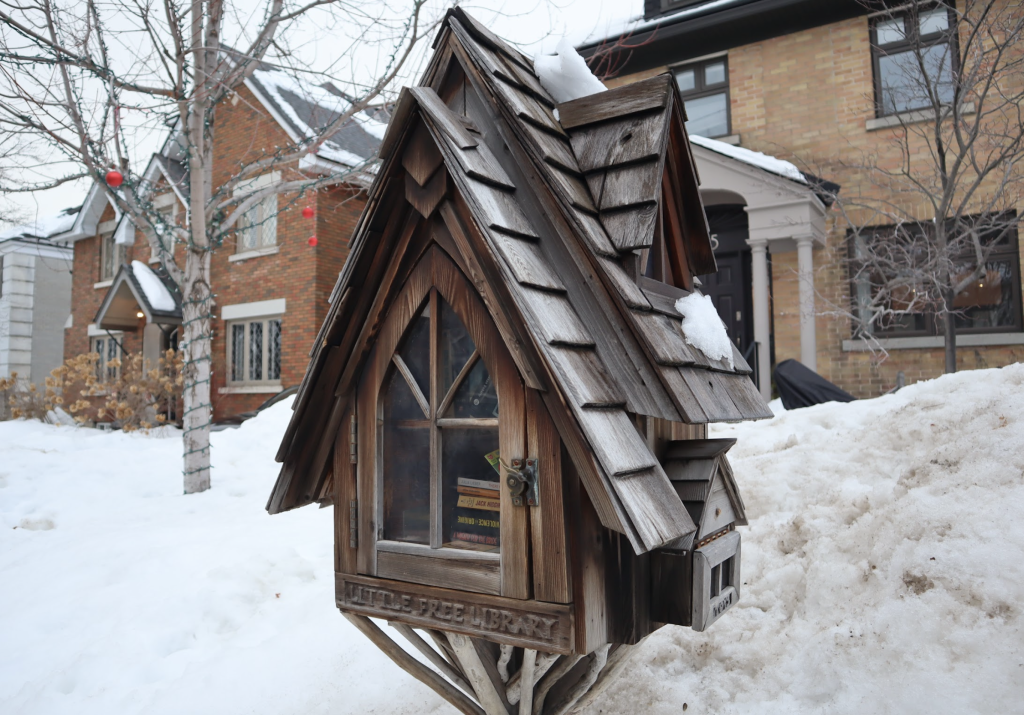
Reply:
x=166, y=206
x=111, y=256
x=254, y=351
x=257, y=228
x=108, y=367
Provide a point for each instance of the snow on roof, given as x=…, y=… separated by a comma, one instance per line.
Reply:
x=308, y=108
x=703, y=328
x=565, y=75
x=157, y=295
x=626, y=26
x=754, y=158
x=45, y=227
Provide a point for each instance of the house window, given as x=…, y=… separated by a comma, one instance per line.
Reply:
x=160, y=228
x=990, y=304
x=112, y=255
x=704, y=88
x=254, y=351
x=108, y=367
x=257, y=228
x=440, y=469
x=913, y=58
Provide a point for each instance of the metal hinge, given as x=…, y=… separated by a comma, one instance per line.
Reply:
x=353, y=441
x=522, y=482
x=353, y=524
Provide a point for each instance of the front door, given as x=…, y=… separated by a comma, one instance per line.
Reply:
x=730, y=287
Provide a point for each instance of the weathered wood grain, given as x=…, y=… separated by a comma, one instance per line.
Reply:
x=547, y=520
x=345, y=494
x=526, y=681
x=478, y=669
x=421, y=157
x=554, y=150
x=435, y=658
x=665, y=339
x=629, y=139
x=573, y=189
x=479, y=576
x=443, y=118
x=527, y=262
x=426, y=198
x=554, y=319
x=636, y=97
x=585, y=377
x=499, y=209
x=615, y=441
x=596, y=236
x=631, y=185
x=745, y=396
x=631, y=228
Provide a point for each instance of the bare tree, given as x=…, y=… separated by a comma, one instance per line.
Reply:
x=73, y=75
x=937, y=204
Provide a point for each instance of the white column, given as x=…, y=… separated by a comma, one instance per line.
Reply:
x=762, y=314
x=16, y=306
x=805, y=267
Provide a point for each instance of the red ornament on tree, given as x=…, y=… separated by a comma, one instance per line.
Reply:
x=307, y=212
x=312, y=241
x=114, y=178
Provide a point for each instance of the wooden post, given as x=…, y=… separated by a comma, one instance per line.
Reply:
x=526, y=682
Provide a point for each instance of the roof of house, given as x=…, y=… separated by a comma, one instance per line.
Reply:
x=135, y=287
x=44, y=228
x=561, y=205
x=678, y=31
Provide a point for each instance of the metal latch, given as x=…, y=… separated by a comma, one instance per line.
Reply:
x=522, y=482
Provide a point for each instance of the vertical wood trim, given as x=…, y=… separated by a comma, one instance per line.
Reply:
x=345, y=492
x=515, y=539
x=436, y=493
x=526, y=678
x=547, y=521
x=366, y=474
x=587, y=559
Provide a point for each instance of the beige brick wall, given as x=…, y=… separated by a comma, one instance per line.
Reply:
x=806, y=98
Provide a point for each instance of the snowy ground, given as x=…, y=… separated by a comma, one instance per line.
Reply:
x=883, y=570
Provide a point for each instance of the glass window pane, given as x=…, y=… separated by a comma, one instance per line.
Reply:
x=933, y=21
x=708, y=116
x=256, y=351
x=988, y=302
x=470, y=489
x=456, y=346
x=247, y=232
x=889, y=31
x=406, y=472
x=399, y=400
x=415, y=350
x=237, y=352
x=686, y=80
x=476, y=396
x=268, y=230
x=274, y=350
x=714, y=73
x=905, y=87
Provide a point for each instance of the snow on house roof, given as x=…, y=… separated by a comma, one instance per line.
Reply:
x=769, y=163
x=156, y=292
x=43, y=228
x=306, y=109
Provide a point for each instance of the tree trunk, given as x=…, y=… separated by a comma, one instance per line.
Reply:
x=196, y=311
x=950, y=333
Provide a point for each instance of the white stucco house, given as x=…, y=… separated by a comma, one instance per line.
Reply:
x=35, y=296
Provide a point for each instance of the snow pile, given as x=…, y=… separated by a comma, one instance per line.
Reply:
x=883, y=572
x=565, y=75
x=754, y=158
x=883, y=568
x=703, y=329
x=156, y=292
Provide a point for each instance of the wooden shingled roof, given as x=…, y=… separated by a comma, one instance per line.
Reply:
x=545, y=216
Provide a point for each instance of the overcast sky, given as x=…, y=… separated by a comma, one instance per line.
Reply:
x=534, y=25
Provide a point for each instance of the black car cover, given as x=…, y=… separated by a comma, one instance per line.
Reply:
x=799, y=386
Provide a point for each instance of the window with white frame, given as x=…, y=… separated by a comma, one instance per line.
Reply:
x=254, y=351
x=257, y=228
x=108, y=367
x=112, y=255
x=161, y=225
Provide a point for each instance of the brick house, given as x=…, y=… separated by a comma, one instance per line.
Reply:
x=270, y=281
x=777, y=84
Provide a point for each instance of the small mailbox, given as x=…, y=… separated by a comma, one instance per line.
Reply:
x=500, y=404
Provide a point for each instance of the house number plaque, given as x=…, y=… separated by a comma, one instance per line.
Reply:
x=542, y=626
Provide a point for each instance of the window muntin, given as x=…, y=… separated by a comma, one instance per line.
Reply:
x=704, y=88
x=440, y=466
x=913, y=56
x=160, y=228
x=108, y=367
x=254, y=351
x=991, y=305
x=112, y=255
x=257, y=228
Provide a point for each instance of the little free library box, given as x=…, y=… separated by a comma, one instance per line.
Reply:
x=501, y=405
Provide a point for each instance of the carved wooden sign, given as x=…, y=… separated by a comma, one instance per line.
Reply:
x=530, y=624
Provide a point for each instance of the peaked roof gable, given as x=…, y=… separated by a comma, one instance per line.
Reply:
x=499, y=178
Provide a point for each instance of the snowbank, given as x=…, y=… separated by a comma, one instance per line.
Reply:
x=883, y=572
